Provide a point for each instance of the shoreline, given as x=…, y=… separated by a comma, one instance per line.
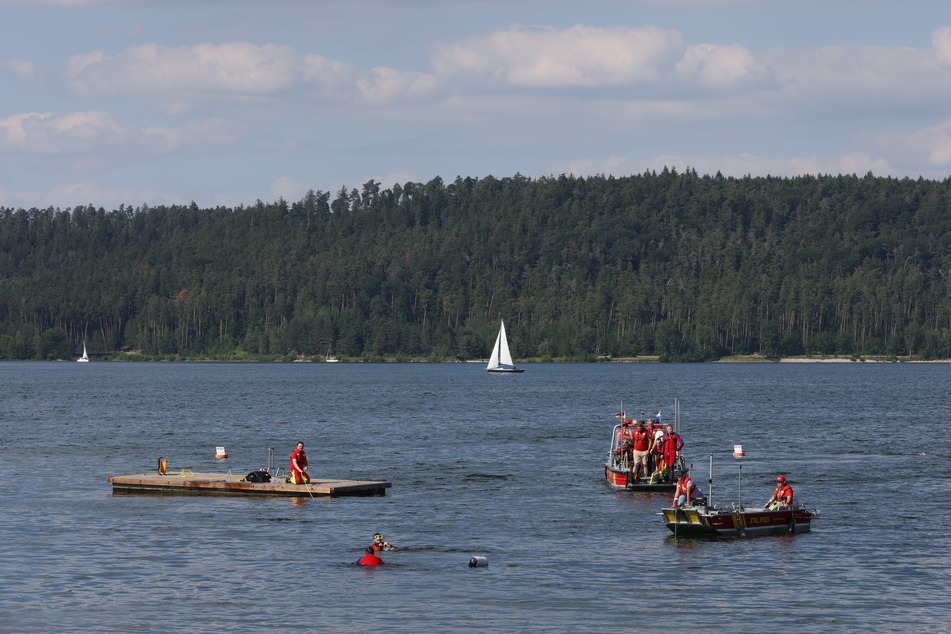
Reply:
x=644, y=359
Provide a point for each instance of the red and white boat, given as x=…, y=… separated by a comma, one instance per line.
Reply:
x=701, y=519
x=617, y=470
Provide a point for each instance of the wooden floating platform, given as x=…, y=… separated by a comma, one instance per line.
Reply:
x=227, y=484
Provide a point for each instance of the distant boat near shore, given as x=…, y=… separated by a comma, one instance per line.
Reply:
x=501, y=359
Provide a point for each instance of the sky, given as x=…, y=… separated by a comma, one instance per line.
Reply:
x=227, y=102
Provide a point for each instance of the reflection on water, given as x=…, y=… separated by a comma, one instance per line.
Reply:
x=507, y=467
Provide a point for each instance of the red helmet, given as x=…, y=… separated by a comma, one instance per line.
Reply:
x=781, y=479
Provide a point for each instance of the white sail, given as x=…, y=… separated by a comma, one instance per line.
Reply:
x=501, y=358
x=85, y=357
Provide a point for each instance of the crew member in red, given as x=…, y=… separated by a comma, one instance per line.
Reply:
x=781, y=499
x=642, y=440
x=687, y=492
x=671, y=444
x=298, y=465
x=370, y=558
x=624, y=443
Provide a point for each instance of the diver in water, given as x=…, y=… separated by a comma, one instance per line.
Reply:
x=379, y=545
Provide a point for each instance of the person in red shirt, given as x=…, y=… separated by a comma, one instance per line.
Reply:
x=370, y=558
x=642, y=441
x=782, y=496
x=298, y=465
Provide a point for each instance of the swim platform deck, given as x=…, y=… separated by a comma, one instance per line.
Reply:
x=228, y=484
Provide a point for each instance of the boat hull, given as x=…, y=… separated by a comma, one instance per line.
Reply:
x=621, y=480
x=701, y=521
x=504, y=370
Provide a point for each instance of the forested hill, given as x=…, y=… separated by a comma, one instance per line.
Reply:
x=676, y=265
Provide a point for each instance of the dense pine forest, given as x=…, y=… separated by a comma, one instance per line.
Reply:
x=674, y=265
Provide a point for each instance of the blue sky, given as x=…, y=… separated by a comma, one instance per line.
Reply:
x=223, y=102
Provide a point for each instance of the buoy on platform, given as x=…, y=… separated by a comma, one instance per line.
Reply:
x=478, y=562
x=162, y=466
x=738, y=450
x=220, y=452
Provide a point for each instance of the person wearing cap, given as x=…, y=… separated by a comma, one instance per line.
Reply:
x=686, y=491
x=782, y=497
x=379, y=545
x=370, y=558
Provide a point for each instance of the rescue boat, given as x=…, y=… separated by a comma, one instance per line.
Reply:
x=736, y=521
x=702, y=518
x=617, y=470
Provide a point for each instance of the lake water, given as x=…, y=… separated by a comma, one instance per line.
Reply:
x=505, y=467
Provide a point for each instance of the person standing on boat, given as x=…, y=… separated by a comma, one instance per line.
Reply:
x=686, y=491
x=782, y=497
x=298, y=465
x=642, y=440
x=370, y=558
x=671, y=445
x=657, y=437
x=624, y=443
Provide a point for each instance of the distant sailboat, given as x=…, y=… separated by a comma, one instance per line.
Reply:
x=501, y=359
x=330, y=358
x=85, y=357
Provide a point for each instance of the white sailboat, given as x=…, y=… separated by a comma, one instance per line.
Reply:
x=330, y=358
x=501, y=359
x=85, y=357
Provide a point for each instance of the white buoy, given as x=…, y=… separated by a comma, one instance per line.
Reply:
x=738, y=450
x=220, y=452
x=478, y=562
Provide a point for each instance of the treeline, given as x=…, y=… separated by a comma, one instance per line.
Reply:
x=678, y=265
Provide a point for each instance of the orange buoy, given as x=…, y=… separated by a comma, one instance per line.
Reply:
x=220, y=452
x=738, y=450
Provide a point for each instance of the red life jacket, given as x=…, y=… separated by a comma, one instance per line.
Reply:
x=783, y=493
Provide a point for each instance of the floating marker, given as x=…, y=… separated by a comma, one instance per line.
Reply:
x=478, y=562
x=220, y=452
x=738, y=450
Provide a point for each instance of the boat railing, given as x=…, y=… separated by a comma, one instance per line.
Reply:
x=614, y=459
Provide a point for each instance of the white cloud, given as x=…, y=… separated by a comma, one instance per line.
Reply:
x=46, y=133
x=95, y=131
x=869, y=75
x=941, y=45
x=22, y=69
x=289, y=188
x=931, y=144
x=180, y=74
x=385, y=85
x=232, y=67
x=722, y=66
x=580, y=56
